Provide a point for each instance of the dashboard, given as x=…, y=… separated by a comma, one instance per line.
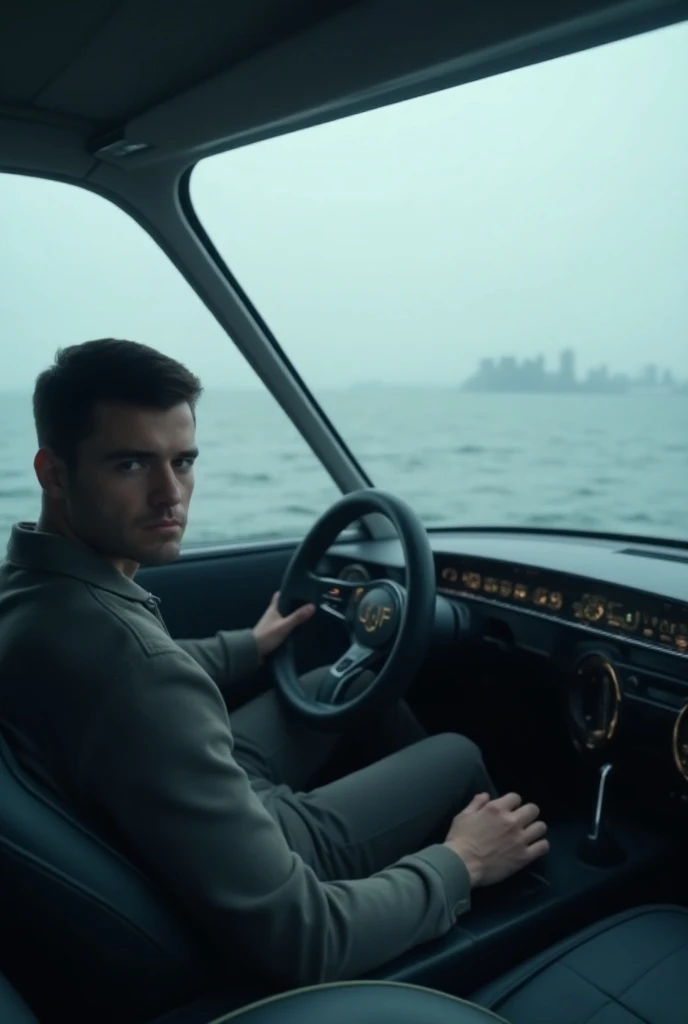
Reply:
x=617, y=611
x=611, y=617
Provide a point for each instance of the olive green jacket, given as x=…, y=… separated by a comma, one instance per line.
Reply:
x=102, y=705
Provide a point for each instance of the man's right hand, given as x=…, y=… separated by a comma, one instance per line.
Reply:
x=496, y=838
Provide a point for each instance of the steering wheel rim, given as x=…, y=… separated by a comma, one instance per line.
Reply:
x=385, y=620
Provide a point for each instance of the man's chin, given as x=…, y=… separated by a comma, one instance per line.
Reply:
x=161, y=552
x=162, y=556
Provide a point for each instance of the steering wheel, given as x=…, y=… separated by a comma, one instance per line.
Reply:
x=387, y=623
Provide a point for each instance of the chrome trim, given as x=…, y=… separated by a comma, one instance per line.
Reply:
x=334, y=612
x=599, y=806
x=592, y=740
x=674, y=741
x=612, y=637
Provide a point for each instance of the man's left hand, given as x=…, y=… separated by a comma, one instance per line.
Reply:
x=272, y=629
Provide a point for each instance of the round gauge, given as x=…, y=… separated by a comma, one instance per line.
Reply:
x=593, y=607
x=354, y=574
x=594, y=703
x=680, y=742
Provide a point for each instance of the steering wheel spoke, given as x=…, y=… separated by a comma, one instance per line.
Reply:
x=335, y=685
x=327, y=594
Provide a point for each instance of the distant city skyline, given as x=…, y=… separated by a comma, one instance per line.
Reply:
x=507, y=373
x=527, y=212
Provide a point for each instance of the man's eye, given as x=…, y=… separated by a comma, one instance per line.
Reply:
x=130, y=466
x=185, y=464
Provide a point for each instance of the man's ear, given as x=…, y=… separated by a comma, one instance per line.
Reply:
x=51, y=473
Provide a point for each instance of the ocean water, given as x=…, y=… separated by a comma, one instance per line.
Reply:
x=613, y=463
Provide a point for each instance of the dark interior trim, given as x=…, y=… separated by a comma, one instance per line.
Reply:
x=399, y=55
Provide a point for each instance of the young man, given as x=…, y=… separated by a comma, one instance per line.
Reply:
x=102, y=705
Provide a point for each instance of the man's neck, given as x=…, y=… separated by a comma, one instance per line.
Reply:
x=59, y=526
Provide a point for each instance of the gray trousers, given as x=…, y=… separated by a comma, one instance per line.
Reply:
x=402, y=795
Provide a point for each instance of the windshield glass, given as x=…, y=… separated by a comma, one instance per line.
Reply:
x=487, y=288
x=74, y=267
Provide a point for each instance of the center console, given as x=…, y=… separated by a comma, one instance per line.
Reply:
x=598, y=863
x=518, y=918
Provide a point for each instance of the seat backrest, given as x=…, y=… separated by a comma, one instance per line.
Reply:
x=80, y=924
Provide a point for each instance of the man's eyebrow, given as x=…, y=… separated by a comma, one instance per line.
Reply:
x=123, y=454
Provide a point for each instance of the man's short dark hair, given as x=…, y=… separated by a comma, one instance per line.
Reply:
x=107, y=370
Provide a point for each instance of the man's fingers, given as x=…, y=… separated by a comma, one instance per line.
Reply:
x=510, y=801
x=536, y=850
x=534, y=832
x=478, y=801
x=301, y=614
x=526, y=814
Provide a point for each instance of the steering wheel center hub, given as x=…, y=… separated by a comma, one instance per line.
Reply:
x=377, y=616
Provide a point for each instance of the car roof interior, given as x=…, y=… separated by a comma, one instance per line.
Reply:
x=134, y=82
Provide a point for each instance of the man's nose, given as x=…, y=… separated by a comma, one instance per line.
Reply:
x=166, y=490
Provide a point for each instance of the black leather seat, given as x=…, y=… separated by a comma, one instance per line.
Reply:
x=77, y=917
x=373, y=1002
x=628, y=969
x=363, y=1002
x=80, y=922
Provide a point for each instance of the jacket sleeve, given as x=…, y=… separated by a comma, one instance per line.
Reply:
x=230, y=657
x=188, y=813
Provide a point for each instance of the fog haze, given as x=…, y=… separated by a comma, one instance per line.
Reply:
x=524, y=214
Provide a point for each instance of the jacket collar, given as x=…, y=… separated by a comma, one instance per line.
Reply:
x=48, y=552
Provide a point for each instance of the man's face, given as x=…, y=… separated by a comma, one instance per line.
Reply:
x=128, y=496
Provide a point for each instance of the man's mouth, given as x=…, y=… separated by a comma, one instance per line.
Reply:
x=164, y=526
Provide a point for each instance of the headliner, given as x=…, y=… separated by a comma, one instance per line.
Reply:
x=189, y=77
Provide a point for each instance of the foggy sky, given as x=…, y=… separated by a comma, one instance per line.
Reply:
x=519, y=215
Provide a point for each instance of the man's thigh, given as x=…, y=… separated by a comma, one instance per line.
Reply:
x=274, y=744
x=366, y=821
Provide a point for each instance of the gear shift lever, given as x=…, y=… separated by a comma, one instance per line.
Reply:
x=599, y=847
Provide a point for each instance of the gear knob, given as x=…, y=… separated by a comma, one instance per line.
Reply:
x=599, y=847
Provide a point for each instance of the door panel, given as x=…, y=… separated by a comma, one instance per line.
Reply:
x=203, y=592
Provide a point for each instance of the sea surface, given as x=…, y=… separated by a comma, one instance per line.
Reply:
x=611, y=463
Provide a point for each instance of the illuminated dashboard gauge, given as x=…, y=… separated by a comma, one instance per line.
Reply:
x=593, y=607
x=354, y=574
x=679, y=742
x=607, y=610
x=472, y=580
x=594, y=703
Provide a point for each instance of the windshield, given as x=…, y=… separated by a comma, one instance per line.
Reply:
x=487, y=288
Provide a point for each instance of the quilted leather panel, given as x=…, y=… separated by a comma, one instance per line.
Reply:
x=629, y=969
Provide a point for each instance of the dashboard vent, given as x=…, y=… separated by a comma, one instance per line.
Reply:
x=662, y=556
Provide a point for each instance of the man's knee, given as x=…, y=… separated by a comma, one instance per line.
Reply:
x=458, y=750
x=462, y=759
